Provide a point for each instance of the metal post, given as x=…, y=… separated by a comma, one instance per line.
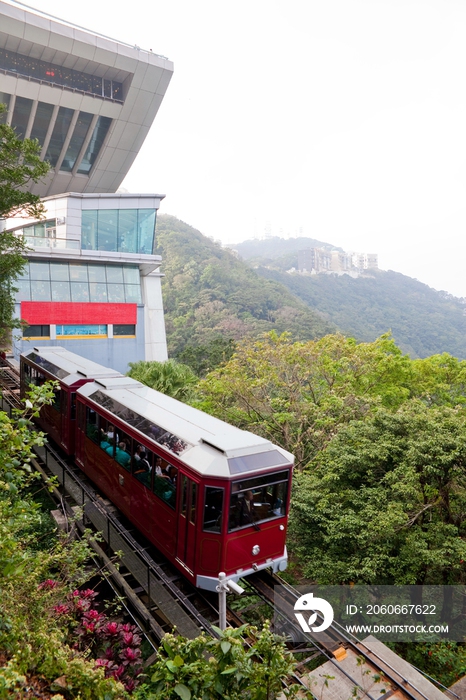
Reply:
x=222, y=601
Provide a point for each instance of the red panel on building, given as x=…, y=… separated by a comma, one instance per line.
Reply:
x=47, y=312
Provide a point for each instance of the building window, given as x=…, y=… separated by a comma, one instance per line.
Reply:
x=54, y=281
x=119, y=230
x=124, y=329
x=82, y=330
x=36, y=331
x=46, y=72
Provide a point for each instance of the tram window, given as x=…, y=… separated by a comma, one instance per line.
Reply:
x=73, y=406
x=92, y=425
x=107, y=436
x=56, y=398
x=142, y=464
x=26, y=373
x=259, y=499
x=123, y=447
x=192, y=510
x=184, y=495
x=37, y=378
x=213, y=508
x=165, y=481
x=81, y=417
x=64, y=402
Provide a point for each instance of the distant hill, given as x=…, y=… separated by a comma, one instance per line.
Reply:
x=422, y=320
x=211, y=297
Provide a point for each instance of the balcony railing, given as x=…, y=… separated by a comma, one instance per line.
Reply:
x=51, y=243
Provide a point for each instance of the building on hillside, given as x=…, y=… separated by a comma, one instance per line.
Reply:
x=365, y=261
x=314, y=260
x=317, y=260
x=92, y=282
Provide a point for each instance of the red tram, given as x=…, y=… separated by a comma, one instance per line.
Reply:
x=211, y=497
x=44, y=364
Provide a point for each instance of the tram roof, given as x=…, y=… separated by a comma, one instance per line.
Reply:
x=67, y=366
x=205, y=443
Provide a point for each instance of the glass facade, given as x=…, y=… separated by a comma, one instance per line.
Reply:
x=77, y=141
x=41, y=122
x=4, y=100
x=21, y=115
x=60, y=281
x=119, y=230
x=98, y=135
x=59, y=133
x=81, y=330
x=57, y=75
x=79, y=136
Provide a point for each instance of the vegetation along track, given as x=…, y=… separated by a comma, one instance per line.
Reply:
x=158, y=598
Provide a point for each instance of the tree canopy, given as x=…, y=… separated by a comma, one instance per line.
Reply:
x=379, y=493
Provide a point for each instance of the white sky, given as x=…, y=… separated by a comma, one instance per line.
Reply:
x=344, y=120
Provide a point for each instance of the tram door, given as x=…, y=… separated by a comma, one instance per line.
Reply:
x=186, y=541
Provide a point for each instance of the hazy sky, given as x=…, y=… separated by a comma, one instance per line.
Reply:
x=342, y=119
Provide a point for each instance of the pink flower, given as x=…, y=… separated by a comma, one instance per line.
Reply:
x=131, y=654
x=49, y=583
x=94, y=615
x=118, y=672
x=130, y=685
x=61, y=609
x=111, y=628
x=128, y=638
x=88, y=593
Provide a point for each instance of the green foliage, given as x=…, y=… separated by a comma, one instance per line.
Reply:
x=171, y=377
x=20, y=167
x=422, y=320
x=29, y=634
x=385, y=502
x=210, y=294
x=444, y=661
x=204, y=358
x=298, y=394
x=220, y=669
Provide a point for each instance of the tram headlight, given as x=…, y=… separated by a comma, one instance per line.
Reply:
x=234, y=588
x=256, y=549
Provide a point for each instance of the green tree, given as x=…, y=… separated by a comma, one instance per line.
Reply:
x=385, y=502
x=220, y=669
x=30, y=635
x=170, y=377
x=20, y=168
x=298, y=394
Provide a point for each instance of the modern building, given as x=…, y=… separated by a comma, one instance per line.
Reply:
x=317, y=260
x=92, y=282
x=88, y=99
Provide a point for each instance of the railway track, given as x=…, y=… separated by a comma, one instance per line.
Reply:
x=160, y=599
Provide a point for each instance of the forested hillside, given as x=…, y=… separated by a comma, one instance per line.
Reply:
x=212, y=299
x=422, y=321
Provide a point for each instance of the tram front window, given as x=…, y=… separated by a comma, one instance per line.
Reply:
x=257, y=500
